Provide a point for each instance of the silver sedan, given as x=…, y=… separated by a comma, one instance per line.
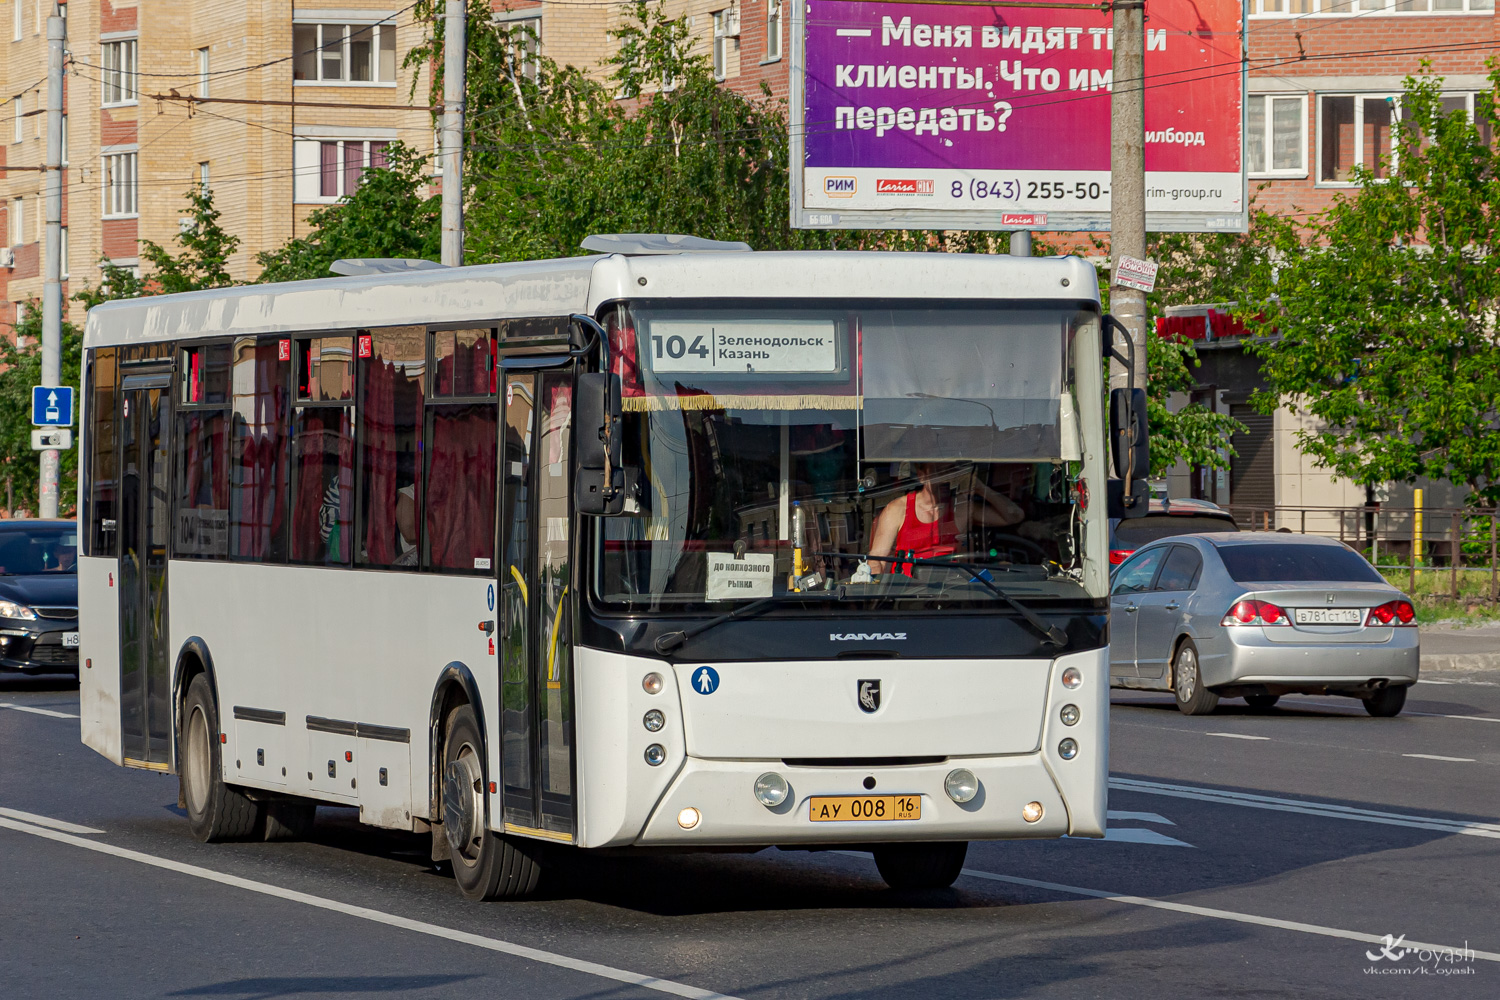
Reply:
x=1256, y=616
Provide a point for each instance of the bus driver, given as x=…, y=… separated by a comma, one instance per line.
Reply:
x=927, y=527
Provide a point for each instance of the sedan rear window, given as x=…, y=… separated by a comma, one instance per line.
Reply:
x=1273, y=563
x=1137, y=531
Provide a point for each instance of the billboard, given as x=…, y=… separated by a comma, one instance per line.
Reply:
x=926, y=115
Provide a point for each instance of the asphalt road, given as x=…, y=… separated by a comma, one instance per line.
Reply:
x=1250, y=855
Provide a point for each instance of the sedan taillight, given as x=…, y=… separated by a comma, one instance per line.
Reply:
x=1117, y=556
x=1393, y=613
x=1255, y=613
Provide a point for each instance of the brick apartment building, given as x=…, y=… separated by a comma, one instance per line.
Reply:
x=324, y=92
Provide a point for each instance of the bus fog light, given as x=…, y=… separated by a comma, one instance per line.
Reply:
x=1072, y=678
x=770, y=789
x=1067, y=749
x=652, y=683
x=961, y=785
x=1069, y=715
x=654, y=720
x=688, y=818
x=1031, y=812
x=656, y=753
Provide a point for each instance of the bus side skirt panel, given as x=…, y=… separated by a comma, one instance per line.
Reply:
x=99, y=680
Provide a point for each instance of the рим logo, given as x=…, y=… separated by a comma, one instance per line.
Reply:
x=840, y=187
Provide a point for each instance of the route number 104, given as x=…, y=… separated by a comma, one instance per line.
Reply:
x=676, y=346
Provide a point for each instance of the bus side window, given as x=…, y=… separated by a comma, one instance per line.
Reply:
x=462, y=417
x=391, y=363
x=259, y=474
x=103, y=498
x=201, y=528
x=323, y=453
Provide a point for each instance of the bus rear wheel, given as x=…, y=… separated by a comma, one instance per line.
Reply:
x=920, y=866
x=486, y=865
x=215, y=811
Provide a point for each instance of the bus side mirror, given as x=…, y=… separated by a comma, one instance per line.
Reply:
x=1131, y=448
x=599, y=485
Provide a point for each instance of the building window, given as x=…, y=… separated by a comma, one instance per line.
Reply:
x=17, y=221
x=330, y=169
x=20, y=103
x=63, y=241
x=203, y=72
x=119, y=184
x=203, y=178
x=1275, y=134
x=119, y=72
x=19, y=19
x=773, y=30
x=526, y=44
x=721, y=44
x=1346, y=8
x=64, y=140
x=344, y=53
x=1355, y=130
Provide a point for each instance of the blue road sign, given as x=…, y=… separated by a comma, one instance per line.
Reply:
x=52, y=405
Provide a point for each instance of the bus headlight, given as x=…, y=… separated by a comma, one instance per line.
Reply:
x=1031, y=812
x=654, y=720
x=961, y=785
x=655, y=754
x=688, y=818
x=652, y=683
x=1072, y=678
x=771, y=789
x=1067, y=749
x=1069, y=715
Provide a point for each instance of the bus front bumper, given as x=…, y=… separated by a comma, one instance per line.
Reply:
x=720, y=794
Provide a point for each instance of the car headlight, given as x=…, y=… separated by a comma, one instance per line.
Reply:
x=10, y=609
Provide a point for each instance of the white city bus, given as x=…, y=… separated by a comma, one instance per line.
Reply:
x=587, y=552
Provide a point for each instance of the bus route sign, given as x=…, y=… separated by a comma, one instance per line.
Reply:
x=52, y=405
x=956, y=117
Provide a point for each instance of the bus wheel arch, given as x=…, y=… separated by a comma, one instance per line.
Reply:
x=455, y=686
x=192, y=659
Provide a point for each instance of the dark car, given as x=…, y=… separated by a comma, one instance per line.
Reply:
x=39, y=597
x=1164, y=519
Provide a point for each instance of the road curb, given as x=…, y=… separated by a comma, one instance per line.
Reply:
x=1460, y=663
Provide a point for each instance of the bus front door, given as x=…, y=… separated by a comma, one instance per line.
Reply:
x=145, y=684
x=536, y=676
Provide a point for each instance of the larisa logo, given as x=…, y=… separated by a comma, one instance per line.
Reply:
x=1429, y=959
x=866, y=636
x=899, y=186
x=840, y=187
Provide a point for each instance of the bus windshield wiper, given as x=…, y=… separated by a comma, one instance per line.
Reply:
x=981, y=576
x=669, y=641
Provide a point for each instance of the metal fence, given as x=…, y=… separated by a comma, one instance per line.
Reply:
x=1439, y=551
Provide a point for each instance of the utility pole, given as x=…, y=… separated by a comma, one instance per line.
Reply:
x=1127, y=175
x=1020, y=243
x=52, y=289
x=455, y=64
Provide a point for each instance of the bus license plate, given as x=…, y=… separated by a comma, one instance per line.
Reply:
x=1328, y=616
x=863, y=808
x=70, y=639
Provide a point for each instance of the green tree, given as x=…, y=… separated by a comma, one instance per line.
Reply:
x=390, y=214
x=1380, y=316
x=20, y=369
x=203, y=258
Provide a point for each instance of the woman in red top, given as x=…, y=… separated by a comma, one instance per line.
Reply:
x=926, y=527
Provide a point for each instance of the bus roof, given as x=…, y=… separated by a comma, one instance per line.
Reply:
x=492, y=292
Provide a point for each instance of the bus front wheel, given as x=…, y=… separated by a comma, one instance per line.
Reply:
x=215, y=811
x=920, y=866
x=486, y=865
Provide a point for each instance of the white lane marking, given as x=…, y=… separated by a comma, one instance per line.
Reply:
x=377, y=916
x=1425, y=715
x=1306, y=808
x=47, y=821
x=1138, y=835
x=1434, y=756
x=1466, y=718
x=1125, y=814
x=37, y=711
x=1237, y=736
x=1217, y=914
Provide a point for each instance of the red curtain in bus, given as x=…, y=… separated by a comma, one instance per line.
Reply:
x=323, y=509
x=390, y=421
x=461, y=486
x=259, y=478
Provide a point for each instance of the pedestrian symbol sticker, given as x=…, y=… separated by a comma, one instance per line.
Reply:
x=705, y=680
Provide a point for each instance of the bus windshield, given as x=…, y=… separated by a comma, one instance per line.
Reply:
x=918, y=455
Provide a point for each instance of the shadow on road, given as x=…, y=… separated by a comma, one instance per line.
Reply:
x=18, y=683
x=267, y=987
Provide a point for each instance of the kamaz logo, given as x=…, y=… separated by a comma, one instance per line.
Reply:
x=866, y=636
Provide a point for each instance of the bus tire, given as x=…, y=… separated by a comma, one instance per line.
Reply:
x=486, y=865
x=289, y=818
x=215, y=810
x=921, y=866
